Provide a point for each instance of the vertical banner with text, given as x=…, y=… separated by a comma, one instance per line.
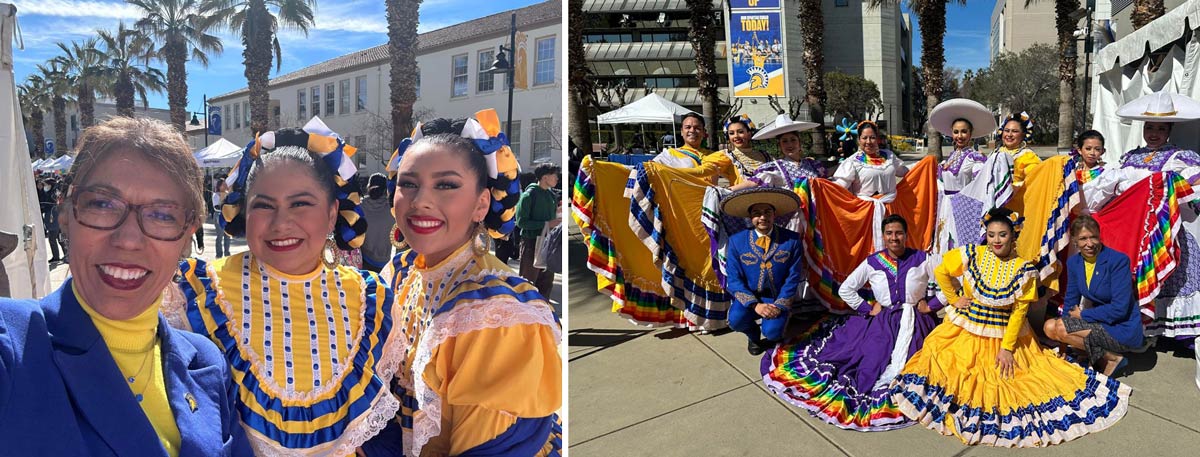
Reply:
x=756, y=48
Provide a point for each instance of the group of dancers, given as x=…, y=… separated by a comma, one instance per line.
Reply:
x=1100, y=257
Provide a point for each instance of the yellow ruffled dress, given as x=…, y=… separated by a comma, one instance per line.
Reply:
x=480, y=369
x=952, y=385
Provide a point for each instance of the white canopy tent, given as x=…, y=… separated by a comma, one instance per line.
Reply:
x=27, y=268
x=1129, y=68
x=651, y=109
x=61, y=163
x=221, y=154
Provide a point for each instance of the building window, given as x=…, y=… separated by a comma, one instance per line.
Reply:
x=237, y=116
x=542, y=138
x=514, y=140
x=74, y=126
x=486, y=80
x=360, y=142
x=301, y=105
x=360, y=93
x=841, y=2
x=544, y=70
x=458, y=69
x=226, y=115
x=418, y=84
x=329, y=99
x=316, y=100
x=344, y=97
x=246, y=114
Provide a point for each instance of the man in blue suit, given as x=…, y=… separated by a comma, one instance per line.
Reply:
x=763, y=265
x=1100, y=309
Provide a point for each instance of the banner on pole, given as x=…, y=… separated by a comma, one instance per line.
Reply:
x=214, y=120
x=756, y=54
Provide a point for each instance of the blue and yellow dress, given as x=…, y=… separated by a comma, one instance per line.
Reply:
x=480, y=372
x=952, y=385
x=309, y=353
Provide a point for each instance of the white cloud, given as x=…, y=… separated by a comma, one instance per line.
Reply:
x=75, y=8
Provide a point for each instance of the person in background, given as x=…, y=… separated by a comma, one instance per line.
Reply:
x=377, y=247
x=48, y=196
x=535, y=210
x=218, y=197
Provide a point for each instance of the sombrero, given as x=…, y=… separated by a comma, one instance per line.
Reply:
x=738, y=204
x=945, y=113
x=1161, y=107
x=783, y=124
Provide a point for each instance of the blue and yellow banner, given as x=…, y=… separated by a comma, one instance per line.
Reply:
x=743, y=4
x=756, y=53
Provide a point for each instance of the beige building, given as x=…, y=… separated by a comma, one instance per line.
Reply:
x=351, y=95
x=1120, y=10
x=1016, y=27
x=103, y=109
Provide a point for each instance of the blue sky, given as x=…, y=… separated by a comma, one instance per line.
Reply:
x=967, y=30
x=342, y=27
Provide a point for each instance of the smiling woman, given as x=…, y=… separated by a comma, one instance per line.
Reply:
x=97, y=370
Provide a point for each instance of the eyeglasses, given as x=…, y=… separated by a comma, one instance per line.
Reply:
x=102, y=210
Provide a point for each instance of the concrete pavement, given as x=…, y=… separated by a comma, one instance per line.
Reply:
x=656, y=392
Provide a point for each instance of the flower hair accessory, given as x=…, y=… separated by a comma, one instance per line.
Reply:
x=505, y=188
x=848, y=129
x=351, y=227
x=1014, y=218
x=744, y=119
x=1023, y=119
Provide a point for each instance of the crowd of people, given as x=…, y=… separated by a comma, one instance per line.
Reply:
x=989, y=296
x=282, y=349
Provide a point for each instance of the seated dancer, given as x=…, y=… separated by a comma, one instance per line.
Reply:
x=763, y=265
x=962, y=120
x=480, y=372
x=1097, y=184
x=1101, y=312
x=692, y=153
x=842, y=374
x=981, y=375
x=308, y=340
x=1015, y=132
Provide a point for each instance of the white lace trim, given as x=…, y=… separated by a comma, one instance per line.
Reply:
x=174, y=307
x=382, y=410
x=465, y=317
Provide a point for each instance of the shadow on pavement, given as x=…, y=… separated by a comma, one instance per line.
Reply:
x=600, y=339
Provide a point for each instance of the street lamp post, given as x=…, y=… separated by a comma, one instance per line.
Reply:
x=196, y=122
x=502, y=65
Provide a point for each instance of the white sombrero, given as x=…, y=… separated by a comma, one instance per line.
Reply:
x=942, y=118
x=738, y=204
x=783, y=124
x=1161, y=107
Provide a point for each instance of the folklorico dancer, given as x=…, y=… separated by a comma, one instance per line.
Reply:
x=1015, y=132
x=308, y=340
x=479, y=369
x=692, y=153
x=962, y=120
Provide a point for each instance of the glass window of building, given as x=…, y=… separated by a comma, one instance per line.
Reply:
x=329, y=99
x=344, y=98
x=246, y=114
x=514, y=140
x=458, y=69
x=544, y=70
x=542, y=138
x=360, y=93
x=237, y=116
x=486, y=81
x=301, y=105
x=316, y=101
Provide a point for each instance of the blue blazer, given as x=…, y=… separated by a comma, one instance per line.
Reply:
x=744, y=263
x=1115, y=305
x=62, y=394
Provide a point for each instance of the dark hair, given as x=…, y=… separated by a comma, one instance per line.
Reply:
x=465, y=148
x=737, y=120
x=545, y=169
x=1000, y=215
x=1016, y=118
x=963, y=119
x=780, y=137
x=377, y=185
x=1087, y=135
x=862, y=128
x=697, y=116
x=312, y=165
x=1084, y=221
x=894, y=219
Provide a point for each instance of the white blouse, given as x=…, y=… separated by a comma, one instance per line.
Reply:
x=916, y=284
x=864, y=179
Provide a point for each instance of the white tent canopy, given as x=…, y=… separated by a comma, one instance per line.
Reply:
x=62, y=163
x=221, y=154
x=1125, y=71
x=27, y=269
x=651, y=109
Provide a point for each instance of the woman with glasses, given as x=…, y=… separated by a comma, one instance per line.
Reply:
x=307, y=338
x=92, y=369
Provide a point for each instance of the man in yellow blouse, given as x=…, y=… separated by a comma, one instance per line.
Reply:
x=692, y=153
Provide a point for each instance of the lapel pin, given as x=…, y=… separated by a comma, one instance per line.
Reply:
x=191, y=400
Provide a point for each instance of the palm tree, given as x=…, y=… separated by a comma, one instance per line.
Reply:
x=259, y=29
x=1067, y=62
x=34, y=99
x=403, y=18
x=931, y=15
x=58, y=86
x=179, y=29
x=82, y=62
x=812, y=34
x=578, y=83
x=1145, y=11
x=127, y=53
x=702, y=33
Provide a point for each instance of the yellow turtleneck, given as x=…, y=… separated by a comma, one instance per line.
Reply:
x=135, y=347
x=1089, y=266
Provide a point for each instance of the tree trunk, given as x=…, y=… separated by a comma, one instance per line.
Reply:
x=579, y=129
x=176, y=56
x=123, y=91
x=702, y=35
x=37, y=123
x=932, y=17
x=812, y=30
x=86, y=98
x=403, y=19
x=1067, y=62
x=258, y=55
x=1146, y=11
x=60, y=123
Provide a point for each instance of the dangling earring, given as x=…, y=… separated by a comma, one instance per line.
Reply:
x=397, y=238
x=329, y=255
x=481, y=238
